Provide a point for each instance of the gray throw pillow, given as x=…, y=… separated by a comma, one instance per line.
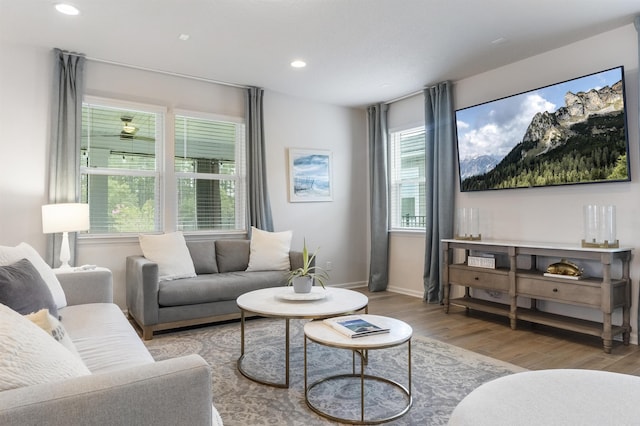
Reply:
x=23, y=289
x=203, y=254
x=232, y=255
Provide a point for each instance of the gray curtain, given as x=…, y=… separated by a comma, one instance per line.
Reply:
x=379, y=266
x=64, y=150
x=259, y=208
x=440, y=153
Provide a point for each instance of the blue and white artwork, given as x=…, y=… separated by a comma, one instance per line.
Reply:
x=309, y=175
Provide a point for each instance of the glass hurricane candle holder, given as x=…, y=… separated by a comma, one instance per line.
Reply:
x=599, y=226
x=467, y=224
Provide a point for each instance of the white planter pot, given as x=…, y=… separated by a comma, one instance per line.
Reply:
x=302, y=284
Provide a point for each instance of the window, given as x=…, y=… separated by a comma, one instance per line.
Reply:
x=119, y=166
x=209, y=165
x=134, y=183
x=407, y=179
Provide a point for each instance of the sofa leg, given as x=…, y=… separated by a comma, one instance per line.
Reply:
x=147, y=333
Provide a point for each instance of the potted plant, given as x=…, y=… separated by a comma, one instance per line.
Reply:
x=302, y=278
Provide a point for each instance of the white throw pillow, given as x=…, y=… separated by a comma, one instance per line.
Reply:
x=171, y=254
x=269, y=250
x=10, y=255
x=54, y=328
x=30, y=356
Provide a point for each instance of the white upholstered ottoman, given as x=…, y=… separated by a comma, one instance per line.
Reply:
x=553, y=397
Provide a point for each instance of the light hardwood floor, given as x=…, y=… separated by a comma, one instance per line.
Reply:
x=533, y=347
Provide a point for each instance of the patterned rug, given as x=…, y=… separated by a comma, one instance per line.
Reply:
x=442, y=375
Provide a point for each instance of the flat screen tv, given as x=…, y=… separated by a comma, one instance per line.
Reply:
x=566, y=133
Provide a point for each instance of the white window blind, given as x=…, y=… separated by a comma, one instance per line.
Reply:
x=119, y=167
x=407, y=179
x=210, y=172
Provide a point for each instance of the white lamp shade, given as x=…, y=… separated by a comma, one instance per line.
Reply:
x=65, y=217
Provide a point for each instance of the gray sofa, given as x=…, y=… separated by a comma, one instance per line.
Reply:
x=126, y=386
x=209, y=297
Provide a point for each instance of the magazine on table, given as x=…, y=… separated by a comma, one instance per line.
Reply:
x=355, y=326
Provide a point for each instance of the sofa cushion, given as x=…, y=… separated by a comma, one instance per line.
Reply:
x=104, y=338
x=54, y=328
x=30, y=356
x=232, y=255
x=9, y=255
x=217, y=287
x=23, y=290
x=203, y=254
x=269, y=250
x=170, y=252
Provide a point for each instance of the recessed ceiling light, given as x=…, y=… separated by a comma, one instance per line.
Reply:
x=298, y=64
x=67, y=9
x=184, y=37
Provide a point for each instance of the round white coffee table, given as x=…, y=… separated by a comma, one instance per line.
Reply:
x=281, y=302
x=399, y=333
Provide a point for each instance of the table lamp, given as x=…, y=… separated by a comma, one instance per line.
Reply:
x=65, y=218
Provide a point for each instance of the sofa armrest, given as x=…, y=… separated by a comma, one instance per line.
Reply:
x=142, y=285
x=171, y=392
x=91, y=286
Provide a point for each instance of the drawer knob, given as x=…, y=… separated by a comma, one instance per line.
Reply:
x=476, y=278
x=555, y=290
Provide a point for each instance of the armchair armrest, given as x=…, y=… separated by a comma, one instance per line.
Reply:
x=91, y=286
x=171, y=392
x=142, y=287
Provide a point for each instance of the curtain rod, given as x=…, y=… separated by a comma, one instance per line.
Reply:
x=174, y=74
x=409, y=95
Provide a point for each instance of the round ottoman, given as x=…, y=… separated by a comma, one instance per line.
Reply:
x=553, y=397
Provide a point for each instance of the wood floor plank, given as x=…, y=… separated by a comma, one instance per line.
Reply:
x=530, y=346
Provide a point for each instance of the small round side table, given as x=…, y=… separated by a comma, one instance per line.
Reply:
x=399, y=333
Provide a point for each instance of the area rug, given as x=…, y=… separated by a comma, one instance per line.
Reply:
x=442, y=375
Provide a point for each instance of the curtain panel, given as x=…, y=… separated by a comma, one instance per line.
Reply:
x=378, y=181
x=259, y=207
x=64, y=148
x=440, y=150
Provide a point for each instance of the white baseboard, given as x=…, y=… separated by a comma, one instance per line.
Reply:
x=356, y=284
x=392, y=289
x=400, y=290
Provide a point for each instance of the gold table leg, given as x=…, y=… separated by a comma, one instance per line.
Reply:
x=250, y=376
x=363, y=377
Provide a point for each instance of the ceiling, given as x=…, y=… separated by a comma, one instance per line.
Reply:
x=358, y=52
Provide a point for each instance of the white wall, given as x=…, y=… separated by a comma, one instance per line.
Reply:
x=545, y=214
x=25, y=94
x=25, y=87
x=338, y=228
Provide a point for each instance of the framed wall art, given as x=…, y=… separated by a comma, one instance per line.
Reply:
x=310, y=175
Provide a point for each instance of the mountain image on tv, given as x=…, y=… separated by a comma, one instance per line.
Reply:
x=550, y=136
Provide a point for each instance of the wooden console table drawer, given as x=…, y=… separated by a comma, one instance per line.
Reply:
x=495, y=280
x=575, y=293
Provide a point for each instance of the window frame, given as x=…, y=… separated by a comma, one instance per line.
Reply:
x=166, y=215
x=159, y=152
x=240, y=177
x=395, y=200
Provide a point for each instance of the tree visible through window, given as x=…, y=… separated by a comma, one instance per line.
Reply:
x=407, y=179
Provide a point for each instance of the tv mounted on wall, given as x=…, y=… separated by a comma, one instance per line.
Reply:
x=566, y=133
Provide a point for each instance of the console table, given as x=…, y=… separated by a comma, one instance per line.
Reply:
x=604, y=293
